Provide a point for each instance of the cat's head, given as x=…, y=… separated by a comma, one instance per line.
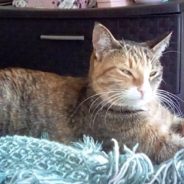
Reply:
x=125, y=73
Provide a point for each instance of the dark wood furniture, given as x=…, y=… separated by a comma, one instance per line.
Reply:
x=29, y=37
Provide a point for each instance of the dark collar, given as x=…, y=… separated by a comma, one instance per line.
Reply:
x=116, y=109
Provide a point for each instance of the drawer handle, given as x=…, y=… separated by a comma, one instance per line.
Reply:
x=62, y=37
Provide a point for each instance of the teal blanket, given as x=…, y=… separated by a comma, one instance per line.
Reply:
x=26, y=160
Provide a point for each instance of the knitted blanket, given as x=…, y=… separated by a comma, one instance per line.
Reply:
x=26, y=160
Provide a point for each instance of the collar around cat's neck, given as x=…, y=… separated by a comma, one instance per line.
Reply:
x=126, y=111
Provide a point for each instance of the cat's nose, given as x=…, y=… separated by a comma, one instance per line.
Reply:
x=141, y=91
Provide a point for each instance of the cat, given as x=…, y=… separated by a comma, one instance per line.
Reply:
x=118, y=99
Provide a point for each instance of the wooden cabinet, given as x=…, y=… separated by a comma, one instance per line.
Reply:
x=50, y=45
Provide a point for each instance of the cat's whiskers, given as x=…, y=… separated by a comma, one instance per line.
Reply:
x=170, y=103
x=100, y=96
x=99, y=104
x=81, y=103
x=93, y=103
x=176, y=109
x=165, y=100
x=172, y=96
x=89, y=98
x=172, y=99
x=113, y=102
x=102, y=104
x=167, y=104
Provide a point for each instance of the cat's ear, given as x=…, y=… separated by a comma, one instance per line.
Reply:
x=103, y=40
x=159, y=44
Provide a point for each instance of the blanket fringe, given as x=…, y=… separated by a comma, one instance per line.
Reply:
x=26, y=160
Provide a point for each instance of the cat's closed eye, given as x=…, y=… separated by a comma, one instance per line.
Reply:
x=127, y=72
x=153, y=73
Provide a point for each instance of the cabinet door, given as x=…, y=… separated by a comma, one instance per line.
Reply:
x=145, y=28
x=62, y=46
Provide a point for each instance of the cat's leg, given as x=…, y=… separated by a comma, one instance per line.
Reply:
x=168, y=147
x=159, y=145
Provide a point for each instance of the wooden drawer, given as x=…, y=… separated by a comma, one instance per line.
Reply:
x=32, y=44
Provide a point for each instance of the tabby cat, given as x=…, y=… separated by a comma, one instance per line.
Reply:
x=119, y=99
